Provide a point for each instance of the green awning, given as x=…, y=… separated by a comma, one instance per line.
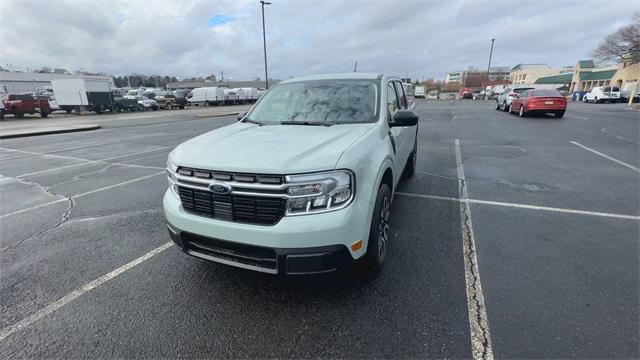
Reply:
x=597, y=75
x=555, y=79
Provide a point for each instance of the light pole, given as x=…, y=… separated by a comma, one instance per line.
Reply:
x=490, y=54
x=264, y=42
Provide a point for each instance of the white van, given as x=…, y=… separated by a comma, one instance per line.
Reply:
x=251, y=94
x=603, y=94
x=230, y=96
x=207, y=96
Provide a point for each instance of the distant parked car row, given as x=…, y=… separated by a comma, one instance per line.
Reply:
x=79, y=95
x=526, y=101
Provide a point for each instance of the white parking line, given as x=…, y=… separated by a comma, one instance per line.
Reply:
x=607, y=156
x=478, y=321
x=525, y=206
x=111, y=141
x=56, y=305
x=80, y=195
x=91, y=162
x=76, y=158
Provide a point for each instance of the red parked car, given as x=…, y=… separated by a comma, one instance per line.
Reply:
x=539, y=101
x=20, y=104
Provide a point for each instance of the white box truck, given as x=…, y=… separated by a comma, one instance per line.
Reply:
x=419, y=92
x=207, y=96
x=88, y=94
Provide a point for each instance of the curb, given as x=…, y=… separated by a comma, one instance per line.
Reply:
x=49, y=132
x=215, y=115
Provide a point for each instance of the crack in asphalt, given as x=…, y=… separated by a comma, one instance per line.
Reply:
x=479, y=322
x=66, y=215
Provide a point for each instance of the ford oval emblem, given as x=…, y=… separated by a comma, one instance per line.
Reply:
x=220, y=188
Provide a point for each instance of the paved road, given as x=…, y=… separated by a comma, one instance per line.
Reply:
x=554, y=208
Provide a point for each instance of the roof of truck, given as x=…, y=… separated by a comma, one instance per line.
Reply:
x=351, y=75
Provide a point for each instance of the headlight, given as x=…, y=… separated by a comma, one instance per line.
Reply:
x=171, y=170
x=320, y=192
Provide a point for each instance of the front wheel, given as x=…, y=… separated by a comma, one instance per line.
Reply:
x=504, y=106
x=44, y=114
x=497, y=105
x=510, y=108
x=377, y=247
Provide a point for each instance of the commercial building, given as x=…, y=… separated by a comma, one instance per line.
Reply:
x=628, y=74
x=586, y=76
x=498, y=73
x=453, y=76
x=19, y=82
x=527, y=74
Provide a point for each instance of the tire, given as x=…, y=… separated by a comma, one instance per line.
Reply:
x=521, y=112
x=595, y=100
x=18, y=114
x=504, y=106
x=68, y=110
x=181, y=107
x=497, y=105
x=44, y=114
x=377, y=247
x=410, y=168
x=559, y=114
x=168, y=106
x=510, y=108
x=206, y=103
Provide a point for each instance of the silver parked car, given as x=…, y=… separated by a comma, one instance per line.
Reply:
x=503, y=101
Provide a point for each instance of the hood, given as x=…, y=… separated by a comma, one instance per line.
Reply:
x=269, y=149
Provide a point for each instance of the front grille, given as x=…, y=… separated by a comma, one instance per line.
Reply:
x=238, y=208
x=255, y=256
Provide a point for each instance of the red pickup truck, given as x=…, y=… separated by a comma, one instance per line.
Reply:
x=20, y=104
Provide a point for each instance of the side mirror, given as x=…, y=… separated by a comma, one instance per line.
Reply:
x=404, y=118
x=241, y=115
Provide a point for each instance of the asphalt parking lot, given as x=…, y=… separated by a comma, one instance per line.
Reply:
x=549, y=206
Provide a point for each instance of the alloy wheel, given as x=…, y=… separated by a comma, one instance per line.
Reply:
x=383, y=227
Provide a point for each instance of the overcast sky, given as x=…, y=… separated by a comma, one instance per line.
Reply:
x=189, y=38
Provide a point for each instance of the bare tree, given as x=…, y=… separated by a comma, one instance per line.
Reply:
x=620, y=43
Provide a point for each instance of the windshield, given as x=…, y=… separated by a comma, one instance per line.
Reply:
x=323, y=101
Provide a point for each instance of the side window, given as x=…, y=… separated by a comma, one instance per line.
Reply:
x=392, y=100
x=524, y=93
x=401, y=96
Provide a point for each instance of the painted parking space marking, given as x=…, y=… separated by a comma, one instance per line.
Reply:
x=607, y=156
x=80, y=195
x=524, y=206
x=58, y=304
x=478, y=321
x=92, y=162
x=77, y=158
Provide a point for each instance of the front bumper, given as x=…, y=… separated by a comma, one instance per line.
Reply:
x=305, y=244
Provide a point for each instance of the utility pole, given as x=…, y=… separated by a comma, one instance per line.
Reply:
x=264, y=42
x=355, y=68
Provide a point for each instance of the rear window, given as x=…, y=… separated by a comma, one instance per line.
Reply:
x=615, y=88
x=544, y=93
x=518, y=91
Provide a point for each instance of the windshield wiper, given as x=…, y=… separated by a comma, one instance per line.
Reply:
x=245, y=120
x=309, y=123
